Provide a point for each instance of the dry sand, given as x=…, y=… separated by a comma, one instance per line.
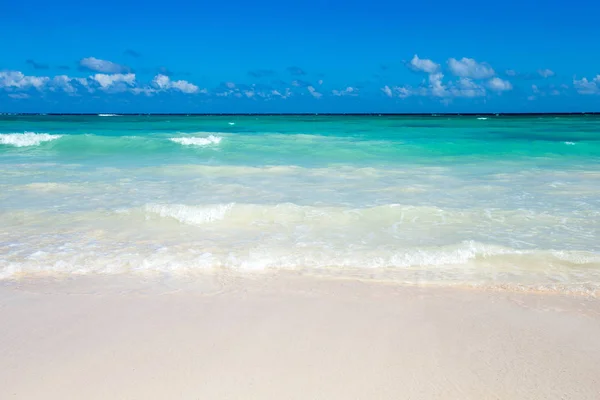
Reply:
x=292, y=337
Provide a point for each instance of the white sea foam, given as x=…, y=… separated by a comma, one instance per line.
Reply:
x=26, y=139
x=482, y=118
x=190, y=214
x=197, y=141
x=108, y=115
x=570, y=143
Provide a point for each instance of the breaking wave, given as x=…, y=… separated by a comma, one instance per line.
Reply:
x=197, y=141
x=26, y=139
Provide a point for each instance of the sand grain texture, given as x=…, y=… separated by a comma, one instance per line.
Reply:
x=293, y=338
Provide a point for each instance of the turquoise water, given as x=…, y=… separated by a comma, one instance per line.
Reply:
x=499, y=201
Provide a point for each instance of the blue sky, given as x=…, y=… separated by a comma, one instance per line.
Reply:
x=304, y=56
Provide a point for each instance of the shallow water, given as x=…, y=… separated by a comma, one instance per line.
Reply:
x=432, y=200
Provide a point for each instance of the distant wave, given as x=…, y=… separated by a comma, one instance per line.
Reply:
x=108, y=115
x=482, y=118
x=26, y=139
x=197, y=141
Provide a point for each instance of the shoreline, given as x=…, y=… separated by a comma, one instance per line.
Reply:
x=227, y=277
x=285, y=336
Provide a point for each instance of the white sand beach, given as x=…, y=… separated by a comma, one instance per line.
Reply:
x=292, y=337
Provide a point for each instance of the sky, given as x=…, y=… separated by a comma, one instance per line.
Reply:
x=270, y=56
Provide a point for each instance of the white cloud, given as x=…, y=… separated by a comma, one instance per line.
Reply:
x=499, y=85
x=314, y=92
x=163, y=82
x=230, y=85
x=469, y=68
x=510, y=72
x=106, y=81
x=17, y=80
x=107, y=67
x=546, y=73
x=465, y=87
x=402, y=92
x=320, y=81
x=583, y=86
x=18, y=96
x=184, y=86
x=425, y=65
x=287, y=93
x=436, y=86
x=249, y=93
x=349, y=91
x=386, y=89
x=535, y=89
x=143, y=90
x=64, y=82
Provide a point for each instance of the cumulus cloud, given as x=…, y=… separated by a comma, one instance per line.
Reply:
x=546, y=73
x=13, y=81
x=466, y=87
x=103, y=66
x=313, y=92
x=387, y=90
x=17, y=80
x=469, y=68
x=106, y=81
x=253, y=91
x=585, y=86
x=349, y=91
x=163, y=82
x=499, y=85
x=65, y=83
x=436, y=87
x=424, y=65
x=284, y=94
x=297, y=71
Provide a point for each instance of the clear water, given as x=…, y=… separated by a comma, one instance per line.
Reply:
x=501, y=201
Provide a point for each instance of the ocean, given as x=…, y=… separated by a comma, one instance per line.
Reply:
x=487, y=201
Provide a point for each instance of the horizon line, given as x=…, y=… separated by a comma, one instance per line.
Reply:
x=309, y=114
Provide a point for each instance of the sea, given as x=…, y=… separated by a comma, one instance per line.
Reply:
x=498, y=201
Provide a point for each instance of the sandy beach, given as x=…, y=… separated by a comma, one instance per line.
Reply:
x=291, y=337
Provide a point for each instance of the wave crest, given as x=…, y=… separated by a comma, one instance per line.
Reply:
x=190, y=214
x=197, y=141
x=26, y=139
